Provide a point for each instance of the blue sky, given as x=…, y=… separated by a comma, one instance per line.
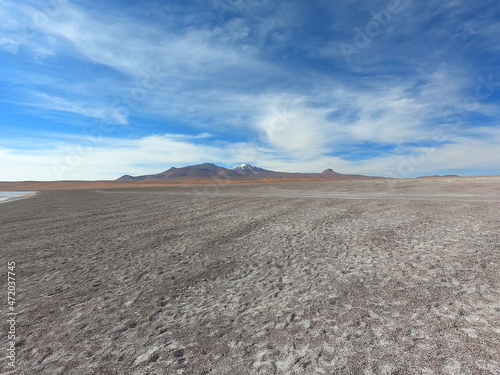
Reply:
x=400, y=88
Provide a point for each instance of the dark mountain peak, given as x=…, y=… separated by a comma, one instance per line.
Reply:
x=329, y=171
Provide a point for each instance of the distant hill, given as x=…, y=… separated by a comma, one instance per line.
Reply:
x=438, y=176
x=241, y=172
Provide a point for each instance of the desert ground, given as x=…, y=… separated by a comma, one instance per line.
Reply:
x=318, y=277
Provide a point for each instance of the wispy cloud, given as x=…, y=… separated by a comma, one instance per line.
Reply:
x=87, y=109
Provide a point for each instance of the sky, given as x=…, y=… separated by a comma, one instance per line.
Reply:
x=398, y=88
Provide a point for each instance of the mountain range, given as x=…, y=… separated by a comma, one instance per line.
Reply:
x=241, y=172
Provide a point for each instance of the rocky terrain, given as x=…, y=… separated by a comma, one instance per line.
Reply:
x=341, y=277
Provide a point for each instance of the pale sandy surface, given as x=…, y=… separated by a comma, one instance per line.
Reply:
x=365, y=277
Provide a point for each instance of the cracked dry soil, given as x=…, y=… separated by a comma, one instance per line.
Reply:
x=351, y=277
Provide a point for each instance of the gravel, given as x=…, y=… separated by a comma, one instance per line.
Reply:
x=344, y=277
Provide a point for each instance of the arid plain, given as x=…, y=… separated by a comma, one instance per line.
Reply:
x=317, y=277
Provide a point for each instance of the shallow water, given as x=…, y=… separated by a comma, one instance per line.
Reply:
x=5, y=195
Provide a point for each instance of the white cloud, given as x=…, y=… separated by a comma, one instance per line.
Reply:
x=382, y=112
x=49, y=102
x=131, y=46
x=290, y=126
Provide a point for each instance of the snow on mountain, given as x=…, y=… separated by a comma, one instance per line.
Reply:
x=246, y=168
